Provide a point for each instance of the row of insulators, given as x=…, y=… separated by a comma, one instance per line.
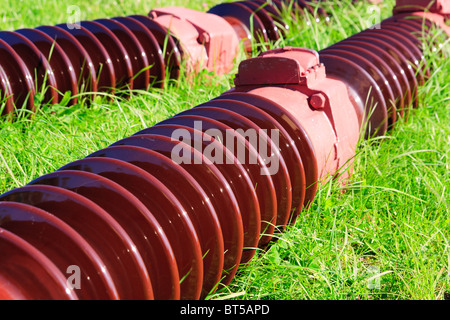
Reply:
x=137, y=224
x=116, y=55
x=262, y=20
x=94, y=56
x=386, y=66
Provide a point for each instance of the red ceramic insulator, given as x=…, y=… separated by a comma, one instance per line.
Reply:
x=436, y=6
x=172, y=211
x=101, y=55
x=260, y=20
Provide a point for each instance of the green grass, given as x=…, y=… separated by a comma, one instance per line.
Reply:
x=385, y=236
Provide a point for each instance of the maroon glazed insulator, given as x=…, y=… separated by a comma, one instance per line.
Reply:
x=295, y=130
x=168, y=44
x=424, y=33
x=167, y=210
x=193, y=198
x=260, y=193
x=134, y=217
x=62, y=68
x=100, y=230
x=390, y=78
x=390, y=68
x=213, y=183
x=17, y=79
x=62, y=245
x=27, y=274
x=102, y=63
x=249, y=158
x=136, y=53
x=123, y=69
x=249, y=130
x=286, y=146
x=82, y=63
x=367, y=95
x=5, y=88
x=398, y=57
x=411, y=52
x=407, y=36
x=151, y=49
x=418, y=33
x=238, y=179
x=266, y=19
x=423, y=27
x=247, y=25
x=36, y=63
x=375, y=73
x=272, y=10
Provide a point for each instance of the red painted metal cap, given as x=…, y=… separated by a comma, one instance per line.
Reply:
x=207, y=39
x=281, y=66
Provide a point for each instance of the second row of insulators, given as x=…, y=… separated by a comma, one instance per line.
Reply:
x=173, y=210
x=103, y=55
x=107, y=55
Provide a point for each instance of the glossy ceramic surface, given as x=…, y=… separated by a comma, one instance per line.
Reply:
x=153, y=51
x=62, y=68
x=168, y=211
x=100, y=230
x=135, y=52
x=139, y=223
x=262, y=183
x=17, y=78
x=286, y=145
x=62, y=245
x=234, y=173
x=26, y=273
x=168, y=45
x=37, y=64
x=398, y=57
x=191, y=196
x=213, y=183
x=82, y=63
x=246, y=17
x=295, y=130
x=267, y=20
x=101, y=60
x=375, y=74
x=279, y=176
x=123, y=69
x=391, y=67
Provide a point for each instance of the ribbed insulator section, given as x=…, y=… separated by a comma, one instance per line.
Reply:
x=103, y=55
x=126, y=53
x=263, y=21
x=383, y=67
